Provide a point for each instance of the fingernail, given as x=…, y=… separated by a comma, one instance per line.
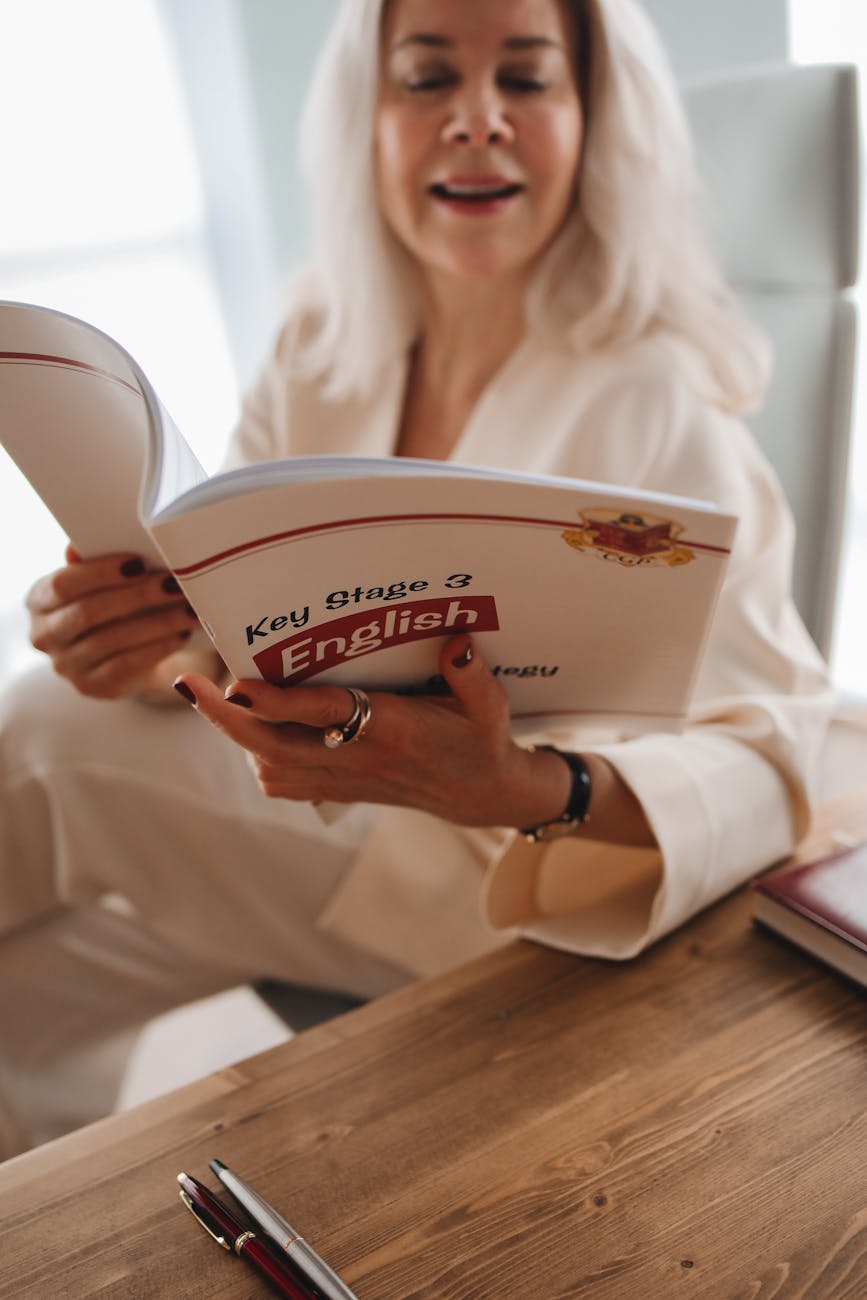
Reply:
x=183, y=689
x=185, y=636
x=132, y=568
x=170, y=585
x=239, y=698
x=463, y=659
x=192, y=613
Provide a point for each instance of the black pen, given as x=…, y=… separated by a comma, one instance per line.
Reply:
x=311, y=1266
x=227, y=1232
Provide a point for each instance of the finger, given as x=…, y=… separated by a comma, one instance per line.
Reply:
x=301, y=783
x=120, y=617
x=81, y=578
x=241, y=725
x=310, y=706
x=480, y=695
x=71, y=555
x=117, y=640
x=113, y=678
x=286, y=744
x=317, y=783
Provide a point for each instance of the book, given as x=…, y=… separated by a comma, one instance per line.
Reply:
x=584, y=598
x=821, y=906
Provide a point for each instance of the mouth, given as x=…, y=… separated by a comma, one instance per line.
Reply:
x=478, y=192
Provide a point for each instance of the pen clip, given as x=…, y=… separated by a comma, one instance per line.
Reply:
x=202, y=1215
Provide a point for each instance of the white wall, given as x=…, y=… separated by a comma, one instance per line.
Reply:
x=702, y=35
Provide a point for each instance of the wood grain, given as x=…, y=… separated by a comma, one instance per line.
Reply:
x=533, y=1125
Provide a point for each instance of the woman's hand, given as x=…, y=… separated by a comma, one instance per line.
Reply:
x=452, y=756
x=108, y=624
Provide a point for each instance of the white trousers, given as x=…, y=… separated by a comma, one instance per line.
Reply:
x=141, y=867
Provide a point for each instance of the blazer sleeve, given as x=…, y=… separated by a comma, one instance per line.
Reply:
x=732, y=792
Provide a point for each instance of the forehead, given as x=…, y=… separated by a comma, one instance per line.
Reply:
x=476, y=22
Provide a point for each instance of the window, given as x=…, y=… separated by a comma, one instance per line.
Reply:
x=102, y=217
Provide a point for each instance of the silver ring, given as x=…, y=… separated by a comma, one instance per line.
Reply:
x=355, y=725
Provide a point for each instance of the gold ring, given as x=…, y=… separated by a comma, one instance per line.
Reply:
x=355, y=725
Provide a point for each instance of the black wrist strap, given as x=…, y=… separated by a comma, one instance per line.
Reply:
x=577, y=806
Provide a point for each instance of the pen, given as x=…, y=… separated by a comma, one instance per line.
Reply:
x=222, y=1225
x=312, y=1267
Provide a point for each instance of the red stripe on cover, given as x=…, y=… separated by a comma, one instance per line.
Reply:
x=293, y=534
x=67, y=363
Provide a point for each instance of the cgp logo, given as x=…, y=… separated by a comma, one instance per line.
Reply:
x=316, y=649
x=629, y=539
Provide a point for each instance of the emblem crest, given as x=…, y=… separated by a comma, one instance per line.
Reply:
x=628, y=538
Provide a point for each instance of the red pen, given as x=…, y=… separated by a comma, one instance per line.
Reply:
x=221, y=1224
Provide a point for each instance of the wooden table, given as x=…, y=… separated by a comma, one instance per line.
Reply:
x=531, y=1126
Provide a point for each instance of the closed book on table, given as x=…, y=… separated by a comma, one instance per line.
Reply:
x=822, y=907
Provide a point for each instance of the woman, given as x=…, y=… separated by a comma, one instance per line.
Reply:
x=508, y=273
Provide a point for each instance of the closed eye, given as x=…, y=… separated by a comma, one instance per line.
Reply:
x=522, y=85
x=430, y=75
x=439, y=82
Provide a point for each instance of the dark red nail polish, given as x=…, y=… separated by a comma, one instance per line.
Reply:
x=170, y=585
x=185, y=636
x=183, y=689
x=463, y=659
x=132, y=568
x=192, y=613
x=239, y=698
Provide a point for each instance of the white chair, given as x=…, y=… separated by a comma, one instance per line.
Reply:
x=779, y=152
x=778, y=149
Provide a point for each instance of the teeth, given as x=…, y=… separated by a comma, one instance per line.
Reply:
x=470, y=190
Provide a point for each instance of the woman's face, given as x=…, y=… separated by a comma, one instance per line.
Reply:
x=478, y=132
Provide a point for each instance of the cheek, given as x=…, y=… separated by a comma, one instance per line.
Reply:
x=556, y=142
x=382, y=156
x=394, y=159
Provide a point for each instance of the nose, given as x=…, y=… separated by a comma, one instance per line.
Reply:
x=478, y=118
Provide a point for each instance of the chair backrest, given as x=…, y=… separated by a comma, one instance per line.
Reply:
x=778, y=149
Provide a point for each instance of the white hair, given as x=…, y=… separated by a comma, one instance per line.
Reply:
x=631, y=257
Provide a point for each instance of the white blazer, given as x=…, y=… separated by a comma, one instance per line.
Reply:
x=725, y=798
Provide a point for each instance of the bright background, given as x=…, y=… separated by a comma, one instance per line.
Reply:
x=102, y=216
x=110, y=208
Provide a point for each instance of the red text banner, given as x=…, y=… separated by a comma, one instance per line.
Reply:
x=316, y=649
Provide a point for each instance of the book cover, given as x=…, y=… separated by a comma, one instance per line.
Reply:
x=822, y=907
x=585, y=598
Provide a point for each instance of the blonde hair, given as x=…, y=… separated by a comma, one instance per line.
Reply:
x=630, y=259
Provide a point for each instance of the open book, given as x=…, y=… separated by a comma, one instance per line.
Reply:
x=583, y=597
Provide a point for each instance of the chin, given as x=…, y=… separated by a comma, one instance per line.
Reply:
x=482, y=265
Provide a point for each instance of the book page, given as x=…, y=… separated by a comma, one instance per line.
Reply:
x=267, y=474
x=82, y=424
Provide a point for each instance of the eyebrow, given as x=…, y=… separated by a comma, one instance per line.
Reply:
x=433, y=41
